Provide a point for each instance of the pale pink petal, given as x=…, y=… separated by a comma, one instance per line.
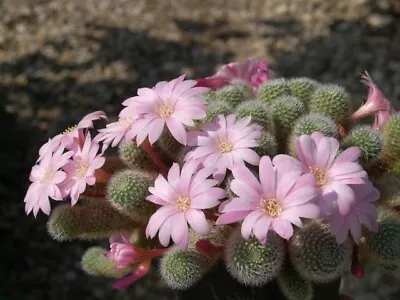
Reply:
x=155, y=131
x=300, y=196
x=244, y=191
x=283, y=228
x=208, y=199
x=165, y=232
x=249, y=221
x=178, y=227
x=158, y=218
x=197, y=221
x=177, y=130
x=232, y=217
x=349, y=155
x=261, y=227
x=267, y=176
x=306, y=149
x=242, y=173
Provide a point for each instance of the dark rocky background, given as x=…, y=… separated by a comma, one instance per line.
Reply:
x=60, y=59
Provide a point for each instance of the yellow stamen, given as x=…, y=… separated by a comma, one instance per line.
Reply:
x=165, y=111
x=183, y=203
x=47, y=177
x=320, y=175
x=125, y=122
x=225, y=146
x=81, y=168
x=70, y=129
x=271, y=207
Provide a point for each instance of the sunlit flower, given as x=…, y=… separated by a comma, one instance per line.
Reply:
x=183, y=196
x=46, y=178
x=172, y=104
x=81, y=169
x=334, y=172
x=361, y=211
x=224, y=142
x=274, y=202
x=252, y=72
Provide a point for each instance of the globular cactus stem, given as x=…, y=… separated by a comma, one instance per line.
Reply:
x=332, y=101
x=251, y=262
x=233, y=94
x=182, y=269
x=391, y=139
x=259, y=112
x=273, y=89
x=383, y=246
x=316, y=255
x=94, y=262
x=127, y=192
x=96, y=219
x=368, y=140
x=302, y=87
x=135, y=157
x=218, y=107
x=293, y=286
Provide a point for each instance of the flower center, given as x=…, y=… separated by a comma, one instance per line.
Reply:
x=320, y=175
x=47, y=177
x=70, y=129
x=225, y=146
x=165, y=111
x=81, y=168
x=125, y=122
x=271, y=207
x=183, y=203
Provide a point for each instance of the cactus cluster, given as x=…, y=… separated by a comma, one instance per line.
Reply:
x=243, y=175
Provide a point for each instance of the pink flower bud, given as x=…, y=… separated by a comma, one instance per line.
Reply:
x=123, y=254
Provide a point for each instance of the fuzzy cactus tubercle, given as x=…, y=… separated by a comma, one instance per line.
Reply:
x=127, y=192
x=251, y=262
x=233, y=185
x=331, y=101
x=316, y=255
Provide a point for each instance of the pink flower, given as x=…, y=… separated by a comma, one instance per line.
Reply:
x=174, y=104
x=50, y=147
x=334, y=173
x=224, y=142
x=46, y=178
x=122, y=251
x=183, y=197
x=252, y=72
x=80, y=171
x=361, y=211
x=279, y=199
x=74, y=133
x=115, y=132
x=376, y=101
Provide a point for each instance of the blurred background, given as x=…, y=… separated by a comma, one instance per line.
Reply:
x=60, y=59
